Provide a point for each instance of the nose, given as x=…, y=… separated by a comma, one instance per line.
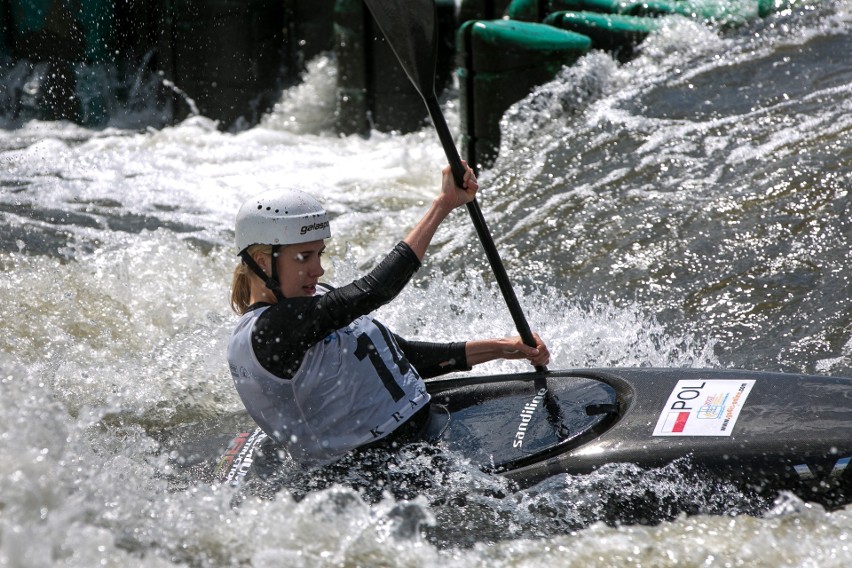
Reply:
x=316, y=268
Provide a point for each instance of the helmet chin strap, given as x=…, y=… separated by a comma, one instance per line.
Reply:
x=271, y=281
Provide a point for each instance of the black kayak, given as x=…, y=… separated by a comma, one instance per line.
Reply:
x=763, y=432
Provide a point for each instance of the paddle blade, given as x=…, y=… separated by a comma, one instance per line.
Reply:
x=410, y=29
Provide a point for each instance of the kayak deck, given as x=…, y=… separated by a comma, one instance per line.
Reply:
x=765, y=432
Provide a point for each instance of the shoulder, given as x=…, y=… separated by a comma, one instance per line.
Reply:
x=288, y=309
x=296, y=307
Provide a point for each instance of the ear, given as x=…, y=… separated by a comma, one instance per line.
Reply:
x=262, y=260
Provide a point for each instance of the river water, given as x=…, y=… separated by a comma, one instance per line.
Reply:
x=688, y=208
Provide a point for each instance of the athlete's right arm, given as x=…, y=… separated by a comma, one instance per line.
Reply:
x=289, y=328
x=451, y=196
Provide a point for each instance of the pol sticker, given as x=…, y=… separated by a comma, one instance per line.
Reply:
x=703, y=408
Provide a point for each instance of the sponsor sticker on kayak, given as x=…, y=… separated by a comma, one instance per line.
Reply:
x=703, y=408
x=234, y=464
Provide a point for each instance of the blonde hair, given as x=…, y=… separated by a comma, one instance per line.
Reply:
x=241, y=281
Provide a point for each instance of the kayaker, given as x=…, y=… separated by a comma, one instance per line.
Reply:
x=316, y=372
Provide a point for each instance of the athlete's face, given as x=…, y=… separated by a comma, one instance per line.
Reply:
x=300, y=267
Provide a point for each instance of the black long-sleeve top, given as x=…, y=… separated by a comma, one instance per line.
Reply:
x=284, y=332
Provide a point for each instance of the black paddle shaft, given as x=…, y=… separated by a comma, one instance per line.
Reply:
x=410, y=30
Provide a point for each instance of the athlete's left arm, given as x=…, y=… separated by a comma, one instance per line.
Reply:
x=484, y=350
x=434, y=359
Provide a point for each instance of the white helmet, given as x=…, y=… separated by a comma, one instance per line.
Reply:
x=280, y=217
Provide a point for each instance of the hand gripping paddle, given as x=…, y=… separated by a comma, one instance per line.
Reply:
x=409, y=27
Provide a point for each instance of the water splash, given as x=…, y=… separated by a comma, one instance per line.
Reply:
x=636, y=233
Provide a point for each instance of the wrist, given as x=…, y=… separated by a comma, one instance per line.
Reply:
x=442, y=206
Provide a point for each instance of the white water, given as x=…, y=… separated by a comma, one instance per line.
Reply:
x=114, y=329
